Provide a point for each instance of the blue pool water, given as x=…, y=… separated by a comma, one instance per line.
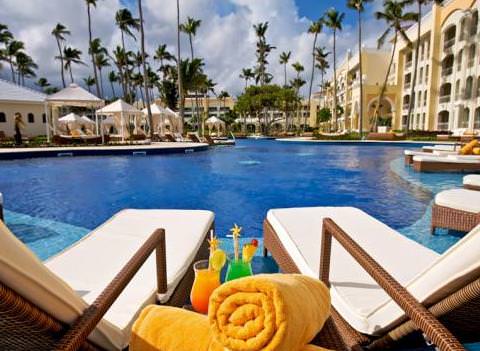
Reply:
x=52, y=202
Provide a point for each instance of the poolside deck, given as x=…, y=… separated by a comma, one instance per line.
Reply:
x=131, y=150
x=396, y=142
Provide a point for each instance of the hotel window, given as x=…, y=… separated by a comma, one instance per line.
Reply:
x=474, y=23
x=423, y=121
x=417, y=124
x=31, y=118
x=462, y=28
x=426, y=74
x=478, y=87
x=427, y=49
x=420, y=76
x=476, y=122
x=425, y=98
x=459, y=60
x=464, y=117
x=471, y=55
x=423, y=51
x=44, y=118
x=419, y=100
x=468, y=88
x=457, y=90
x=3, y=117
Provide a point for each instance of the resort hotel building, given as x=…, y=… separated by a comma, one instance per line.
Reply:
x=209, y=106
x=447, y=89
x=28, y=102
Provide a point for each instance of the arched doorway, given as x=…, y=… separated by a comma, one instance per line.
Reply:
x=443, y=120
x=385, y=112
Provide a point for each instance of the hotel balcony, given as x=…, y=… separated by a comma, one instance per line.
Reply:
x=444, y=99
x=448, y=44
x=407, y=85
x=447, y=72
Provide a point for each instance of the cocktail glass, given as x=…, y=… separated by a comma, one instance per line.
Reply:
x=206, y=280
x=238, y=269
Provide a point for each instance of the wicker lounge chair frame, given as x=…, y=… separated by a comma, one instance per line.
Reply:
x=450, y=218
x=194, y=137
x=170, y=138
x=445, y=166
x=457, y=311
x=471, y=187
x=23, y=326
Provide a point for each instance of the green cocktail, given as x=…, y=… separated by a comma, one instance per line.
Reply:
x=238, y=269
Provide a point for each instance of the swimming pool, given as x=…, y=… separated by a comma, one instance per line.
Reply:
x=52, y=202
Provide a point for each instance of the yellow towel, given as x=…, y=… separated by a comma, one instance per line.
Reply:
x=280, y=312
x=468, y=148
x=161, y=328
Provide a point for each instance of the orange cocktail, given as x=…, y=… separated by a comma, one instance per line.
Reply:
x=206, y=280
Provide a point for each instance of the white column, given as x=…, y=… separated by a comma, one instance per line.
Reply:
x=47, y=120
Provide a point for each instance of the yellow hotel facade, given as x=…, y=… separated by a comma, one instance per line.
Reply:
x=447, y=90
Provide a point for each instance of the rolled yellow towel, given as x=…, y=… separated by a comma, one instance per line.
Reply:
x=162, y=328
x=281, y=312
x=468, y=148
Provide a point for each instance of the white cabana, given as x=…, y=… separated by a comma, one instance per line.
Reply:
x=160, y=118
x=215, y=122
x=175, y=120
x=87, y=121
x=124, y=115
x=74, y=96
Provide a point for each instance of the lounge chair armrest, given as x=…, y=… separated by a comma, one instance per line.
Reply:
x=419, y=315
x=86, y=323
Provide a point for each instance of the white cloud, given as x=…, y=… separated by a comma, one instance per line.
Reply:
x=225, y=40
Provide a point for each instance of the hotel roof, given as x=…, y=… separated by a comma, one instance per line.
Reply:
x=15, y=93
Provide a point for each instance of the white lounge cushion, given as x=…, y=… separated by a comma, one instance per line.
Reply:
x=465, y=157
x=448, y=159
x=472, y=180
x=355, y=295
x=91, y=264
x=427, y=275
x=442, y=147
x=459, y=199
x=428, y=154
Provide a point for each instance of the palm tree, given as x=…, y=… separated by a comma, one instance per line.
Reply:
x=59, y=32
x=179, y=70
x=89, y=82
x=315, y=29
x=359, y=6
x=420, y=4
x=322, y=64
x=5, y=37
x=145, y=72
x=263, y=50
x=222, y=96
x=42, y=83
x=298, y=67
x=284, y=58
x=89, y=4
x=395, y=17
x=12, y=49
x=298, y=83
x=101, y=61
x=190, y=28
x=120, y=58
x=113, y=78
x=71, y=56
x=247, y=74
x=162, y=55
x=25, y=67
x=333, y=20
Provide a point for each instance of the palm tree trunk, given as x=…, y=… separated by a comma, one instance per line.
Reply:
x=312, y=76
x=71, y=74
x=91, y=53
x=113, y=90
x=360, y=62
x=101, y=80
x=335, y=80
x=180, y=83
x=62, y=73
x=12, y=69
x=285, y=74
x=145, y=72
x=127, y=89
x=384, y=87
x=415, y=67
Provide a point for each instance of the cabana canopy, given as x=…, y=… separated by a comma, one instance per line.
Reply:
x=119, y=106
x=156, y=110
x=122, y=114
x=86, y=120
x=71, y=118
x=74, y=95
x=215, y=122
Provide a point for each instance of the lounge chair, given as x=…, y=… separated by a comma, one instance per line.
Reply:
x=170, y=138
x=457, y=209
x=365, y=310
x=442, y=147
x=472, y=182
x=410, y=154
x=195, y=137
x=450, y=163
x=96, y=287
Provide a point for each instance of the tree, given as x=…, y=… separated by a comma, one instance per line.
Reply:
x=162, y=55
x=89, y=82
x=25, y=67
x=42, y=83
x=145, y=72
x=12, y=49
x=179, y=70
x=263, y=50
x=297, y=84
x=315, y=29
x=333, y=20
x=324, y=115
x=59, y=32
x=284, y=58
x=5, y=37
x=397, y=20
x=89, y=4
x=420, y=4
x=121, y=60
x=322, y=64
x=247, y=74
x=113, y=78
x=359, y=6
x=71, y=56
x=190, y=28
x=101, y=61
x=222, y=96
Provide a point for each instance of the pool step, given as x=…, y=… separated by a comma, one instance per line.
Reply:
x=139, y=153
x=65, y=154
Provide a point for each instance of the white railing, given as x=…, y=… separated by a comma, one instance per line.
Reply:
x=448, y=43
x=443, y=99
x=447, y=71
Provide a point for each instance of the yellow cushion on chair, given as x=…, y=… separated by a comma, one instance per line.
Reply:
x=476, y=151
x=468, y=148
